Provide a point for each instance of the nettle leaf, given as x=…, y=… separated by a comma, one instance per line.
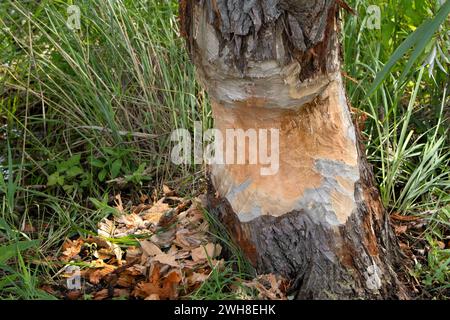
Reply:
x=74, y=171
x=115, y=168
x=102, y=175
x=69, y=188
x=110, y=151
x=85, y=182
x=53, y=179
x=97, y=163
x=66, y=165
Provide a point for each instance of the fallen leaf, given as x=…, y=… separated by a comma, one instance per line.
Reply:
x=96, y=274
x=49, y=289
x=73, y=295
x=71, y=249
x=209, y=251
x=166, y=289
x=126, y=280
x=119, y=204
x=101, y=295
x=131, y=221
x=177, y=229
x=164, y=239
x=155, y=213
x=197, y=278
x=103, y=243
x=121, y=293
x=149, y=248
x=133, y=254
x=28, y=228
x=166, y=259
x=189, y=240
x=167, y=191
x=269, y=287
x=103, y=254
x=141, y=207
x=106, y=228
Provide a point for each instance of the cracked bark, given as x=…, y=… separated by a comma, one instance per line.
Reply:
x=319, y=220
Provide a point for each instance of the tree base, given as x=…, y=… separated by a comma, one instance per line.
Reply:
x=357, y=260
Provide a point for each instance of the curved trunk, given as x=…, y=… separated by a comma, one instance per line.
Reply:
x=308, y=208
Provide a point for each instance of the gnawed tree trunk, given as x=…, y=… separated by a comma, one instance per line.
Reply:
x=318, y=221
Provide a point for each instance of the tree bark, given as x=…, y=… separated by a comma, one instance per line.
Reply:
x=319, y=220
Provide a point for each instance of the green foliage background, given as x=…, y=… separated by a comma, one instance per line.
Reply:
x=88, y=113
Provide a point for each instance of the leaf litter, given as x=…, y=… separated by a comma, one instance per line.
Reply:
x=153, y=251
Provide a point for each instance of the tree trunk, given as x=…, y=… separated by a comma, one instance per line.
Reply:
x=318, y=220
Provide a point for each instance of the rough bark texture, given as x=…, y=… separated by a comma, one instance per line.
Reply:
x=319, y=221
x=252, y=29
x=357, y=260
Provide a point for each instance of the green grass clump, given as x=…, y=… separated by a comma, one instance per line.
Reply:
x=88, y=113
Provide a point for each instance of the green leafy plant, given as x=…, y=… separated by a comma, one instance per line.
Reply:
x=69, y=175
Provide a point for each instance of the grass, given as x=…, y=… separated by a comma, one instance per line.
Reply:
x=88, y=113
x=406, y=126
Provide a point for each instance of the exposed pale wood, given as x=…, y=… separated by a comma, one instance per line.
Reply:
x=319, y=220
x=317, y=147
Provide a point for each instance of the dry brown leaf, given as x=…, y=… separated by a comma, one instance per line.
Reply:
x=99, y=241
x=149, y=248
x=155, y=213
x=71, y=249
x=192, y=217
x=119, y=204
x=269, y=287
x=164, y=239
x=121, y=293
x=167, y=191
x=98, y=271
x=170, y=249
x=197, y=278
x=103, y=243
x=131, y=221
x=166, y=259
x=209, y=251
x=133, y=254
x=49, y=289
x=106, y=228
x=101, y=295
x=73, y=295
x=167, y=289
x=104, y=254
x=188, y=240
x=171, y=283
x=137, y=270
x=126, y=280
x=182, y=254
x=141, y=207
x=143, y=198
x=28, y=228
